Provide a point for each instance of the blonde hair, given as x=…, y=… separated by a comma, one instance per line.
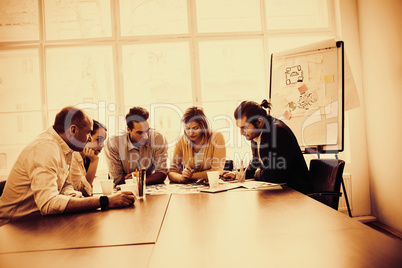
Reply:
x=196, y=114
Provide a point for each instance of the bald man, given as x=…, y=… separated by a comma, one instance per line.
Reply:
x=39, y=180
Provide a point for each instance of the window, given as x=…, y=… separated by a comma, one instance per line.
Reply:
x=294, y=14
x=153, y=17
x=79, y=74
x=228, y=16
x=107, y=56
x=19, y=20
x=68, y=19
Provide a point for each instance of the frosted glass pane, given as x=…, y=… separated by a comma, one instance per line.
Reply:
x=19, y=80
x=67, y=19
x=166, y=118
x=79, y=75
x=277, y=44
x=232, y=70
x=220, y=115
x=8, y=156
x=19, y=20
x=228, y=15
x=21, y=127
x=156, y=73
x=296, y=14
x=150, y=17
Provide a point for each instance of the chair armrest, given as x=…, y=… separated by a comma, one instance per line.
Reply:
x=325, y=193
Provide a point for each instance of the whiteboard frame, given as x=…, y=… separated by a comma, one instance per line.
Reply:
x=326, y=44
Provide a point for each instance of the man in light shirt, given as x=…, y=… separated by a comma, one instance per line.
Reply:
x=139, y=148
x=38, y=180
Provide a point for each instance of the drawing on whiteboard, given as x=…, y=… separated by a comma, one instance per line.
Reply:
x=307, y=101
x=294, y=74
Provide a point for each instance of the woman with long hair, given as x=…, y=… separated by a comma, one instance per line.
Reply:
x=198, y=149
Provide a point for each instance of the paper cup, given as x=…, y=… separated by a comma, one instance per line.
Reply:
x=107, y=187
x=213, y=178
x=128, y=187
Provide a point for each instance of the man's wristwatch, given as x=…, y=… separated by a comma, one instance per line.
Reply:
x=104, y=202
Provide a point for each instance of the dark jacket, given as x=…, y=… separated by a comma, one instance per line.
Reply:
x=282, y=159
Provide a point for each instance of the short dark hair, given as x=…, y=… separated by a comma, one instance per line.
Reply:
x=69, y=116
x=136, y=114
x=96, y=125
x=252, y=110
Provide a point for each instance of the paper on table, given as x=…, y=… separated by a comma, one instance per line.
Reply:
x=249, y=184
x=261, y=185
x=223, y=187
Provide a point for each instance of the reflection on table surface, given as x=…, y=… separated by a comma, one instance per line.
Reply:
x=137, y=224
x=267, y=229
x=236, y=228
x=99, y=257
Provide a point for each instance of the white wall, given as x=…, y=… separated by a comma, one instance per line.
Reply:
x=380, y=25
x=355, y=154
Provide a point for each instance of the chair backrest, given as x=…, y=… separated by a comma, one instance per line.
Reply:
x=228, y=165
x=326, y=175
x=2, y=184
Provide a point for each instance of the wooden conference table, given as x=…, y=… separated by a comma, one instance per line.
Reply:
x=266, y=228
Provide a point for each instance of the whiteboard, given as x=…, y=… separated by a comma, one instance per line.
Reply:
x=307, y=93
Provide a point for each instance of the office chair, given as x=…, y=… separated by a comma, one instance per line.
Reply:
x=2, y=185
x=326, y=175
x=228, y=165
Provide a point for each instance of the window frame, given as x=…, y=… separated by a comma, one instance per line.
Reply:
x=116, y=41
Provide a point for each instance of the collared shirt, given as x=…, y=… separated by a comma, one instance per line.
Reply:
x=123, y=157
x=38, y=179
x=77, y=175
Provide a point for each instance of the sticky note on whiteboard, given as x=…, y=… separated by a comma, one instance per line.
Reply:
x=329, y=79
x=287, y=115
x=302, y=89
